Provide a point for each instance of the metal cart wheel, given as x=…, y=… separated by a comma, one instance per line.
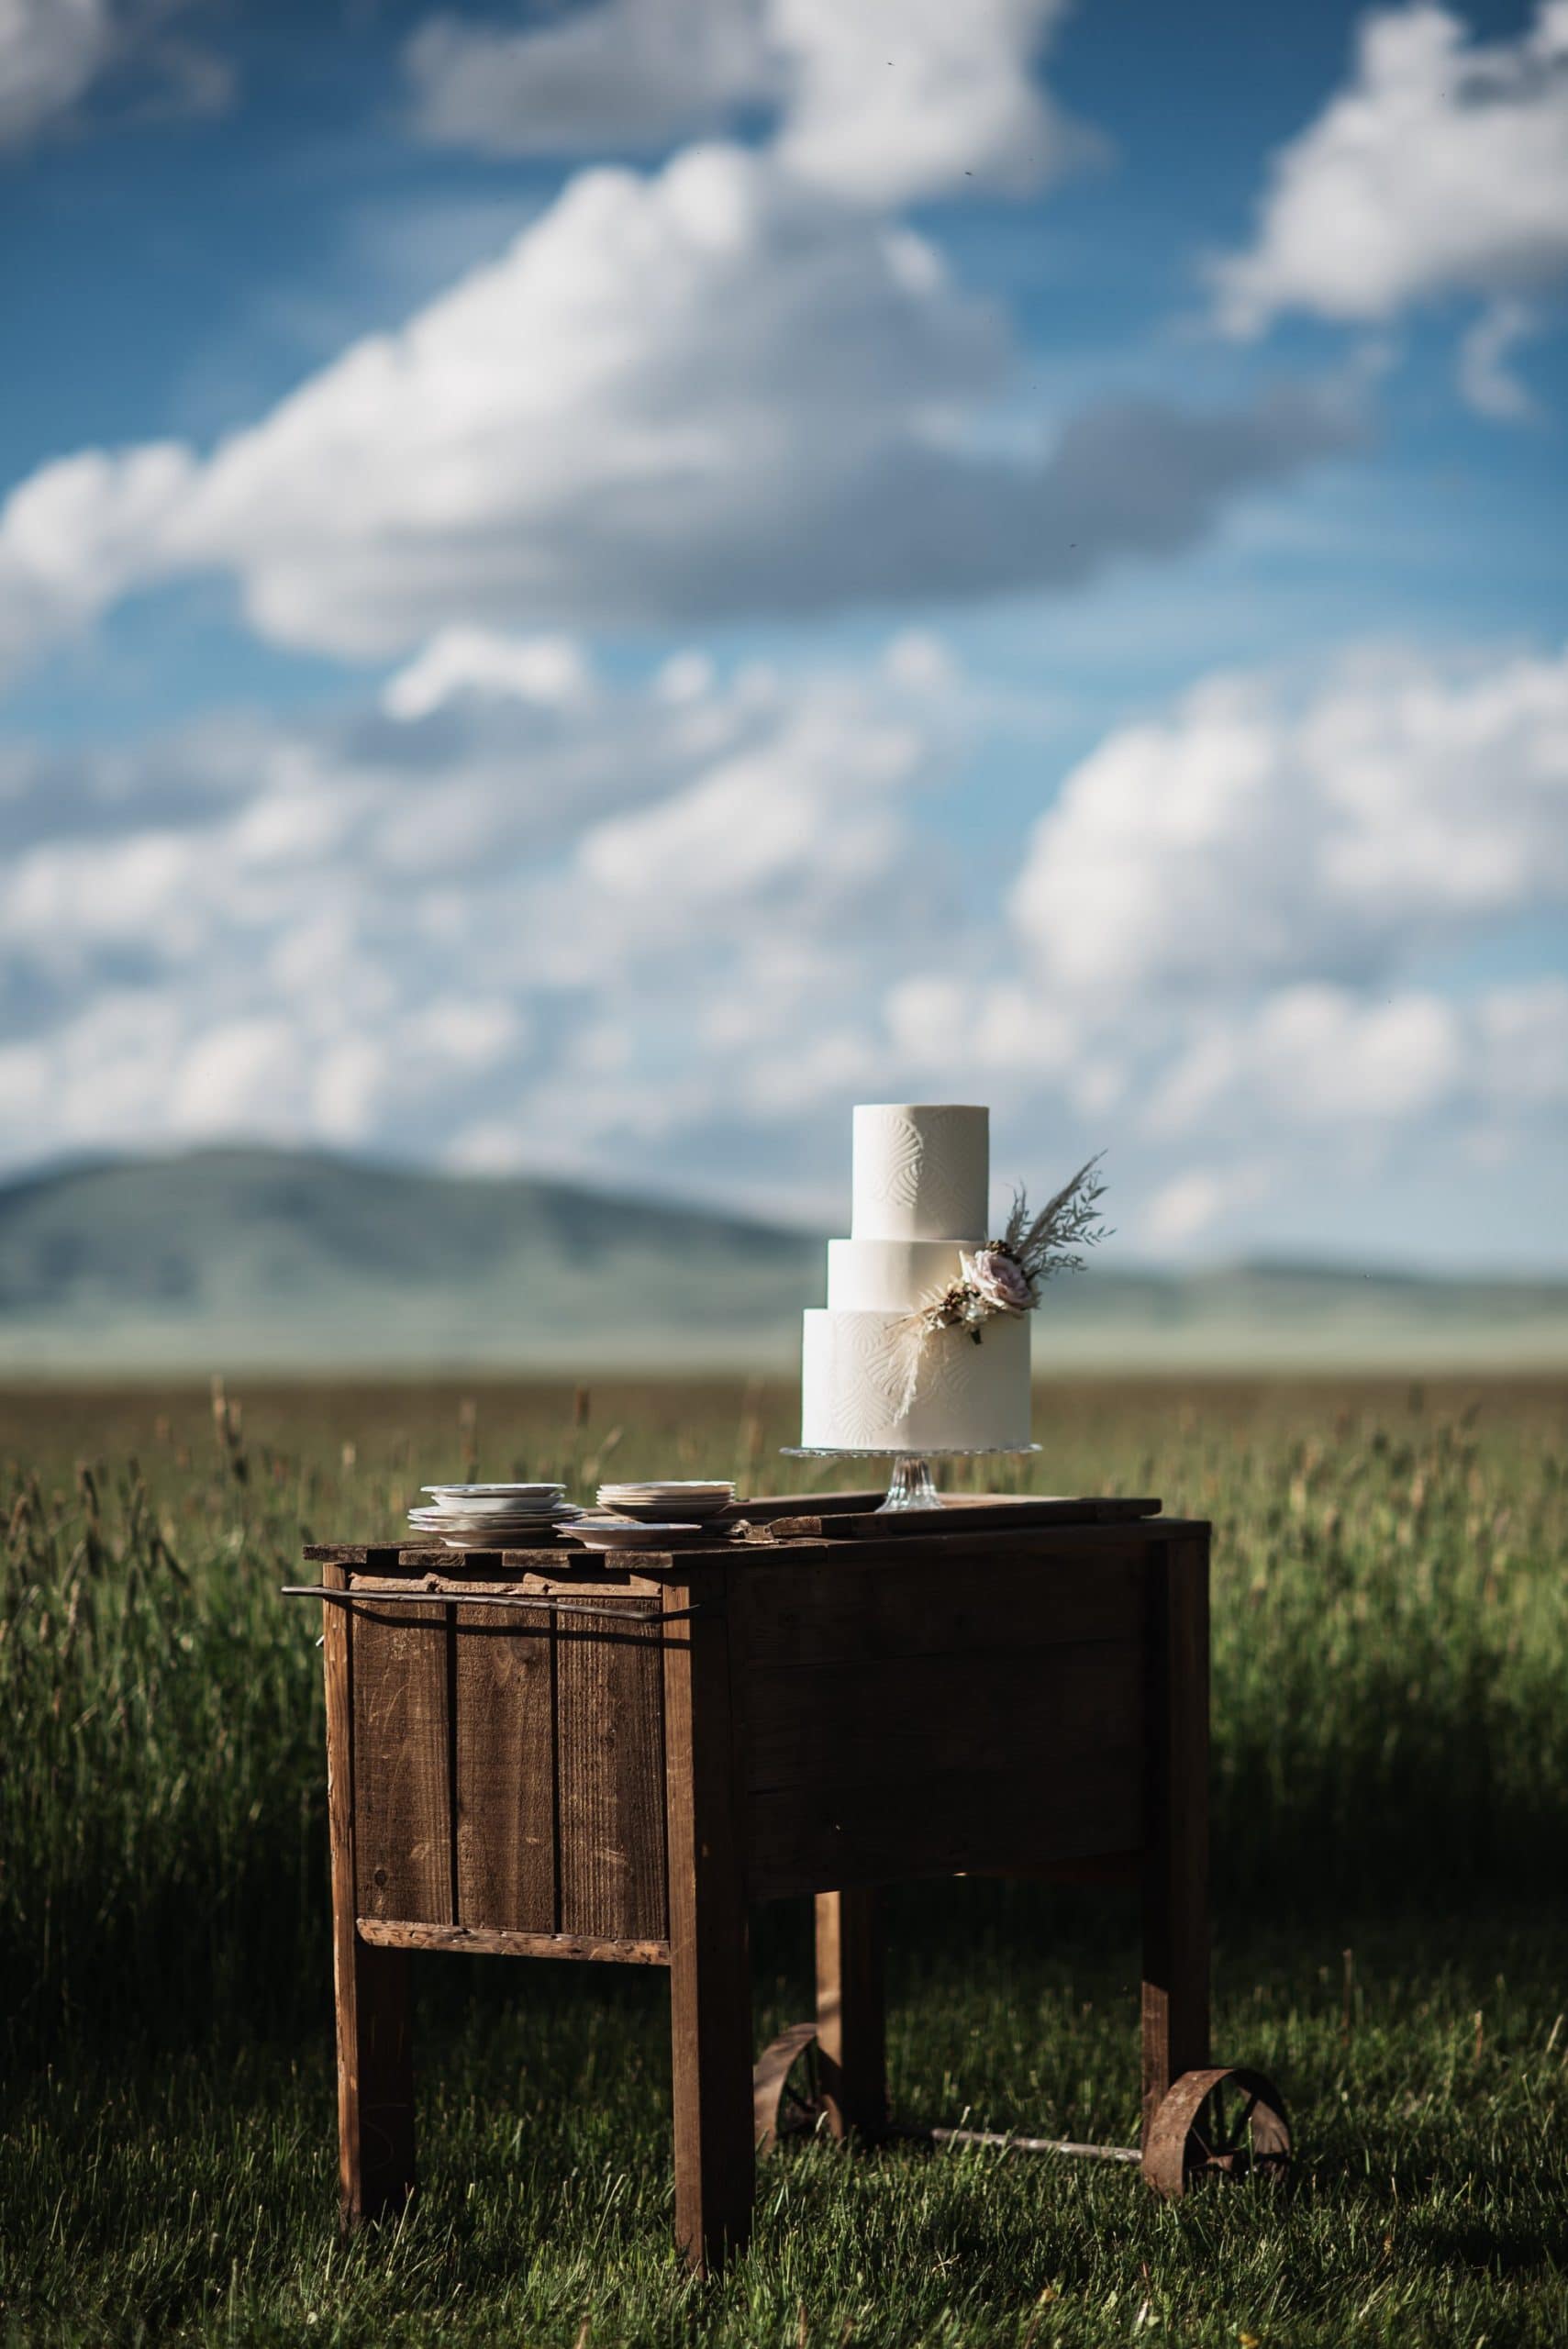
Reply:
x=786, y=2088
x=1224, y=2121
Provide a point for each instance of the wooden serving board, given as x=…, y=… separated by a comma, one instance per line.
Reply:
x=845, y=1517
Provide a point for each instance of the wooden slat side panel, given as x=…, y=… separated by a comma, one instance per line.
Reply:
x=610, y=1766
x=885, y=1723
x=816, y=1839
x=835, y=1611
x=505, y=1772
x=402, y=1789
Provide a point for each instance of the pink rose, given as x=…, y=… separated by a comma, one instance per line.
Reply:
x=1000, y=1279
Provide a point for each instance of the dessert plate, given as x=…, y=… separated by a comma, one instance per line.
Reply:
x=607, y=1534
x=497, y=1500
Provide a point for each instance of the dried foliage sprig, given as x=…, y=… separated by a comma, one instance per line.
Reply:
x=1053, y=1241
x=1008, y=1274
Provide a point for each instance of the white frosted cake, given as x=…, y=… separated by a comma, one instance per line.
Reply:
x=922, y=1175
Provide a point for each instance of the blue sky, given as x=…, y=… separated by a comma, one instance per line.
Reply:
x=581, y=588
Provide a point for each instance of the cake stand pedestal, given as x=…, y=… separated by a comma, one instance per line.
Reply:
x=910, y=1485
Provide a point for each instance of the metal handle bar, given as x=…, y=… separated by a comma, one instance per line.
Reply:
x=477, y=1598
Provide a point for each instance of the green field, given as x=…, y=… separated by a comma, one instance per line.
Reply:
x=1391, y=1847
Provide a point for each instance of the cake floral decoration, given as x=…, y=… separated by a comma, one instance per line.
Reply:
x=1008, y=1274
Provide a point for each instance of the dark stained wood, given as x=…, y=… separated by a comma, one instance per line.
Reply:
x=810, y=1839
x=390, y=1932
x=403, y=1774
x=889, y=1722
x=504, y=1745
x=1175, y=1883
x=710, y=1972
x=610, y=1771
x=965, y=1693
x=968, y=1511
x=851, y=2030
x=782, y=1613
x=375, y=2063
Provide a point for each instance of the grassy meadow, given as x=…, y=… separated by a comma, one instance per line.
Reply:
x=1390, y=1853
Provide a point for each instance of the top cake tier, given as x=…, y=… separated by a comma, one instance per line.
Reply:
x=922, y=1171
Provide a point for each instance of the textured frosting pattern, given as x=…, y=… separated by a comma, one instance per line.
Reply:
x=967, y=1395
x=921, y=1171
x=889, y=1275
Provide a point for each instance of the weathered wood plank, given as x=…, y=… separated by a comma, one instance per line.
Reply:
x=375, y=2064
x=710, y=1978
x=886, y=1722
x=783, y=1614
x=393, y=1933
x=809, y=1839
x=851, y=2030
x=1008, y=1512
x=1175, y=1883
x=402, y=1781
x=610, y=1768
x=506, y=1771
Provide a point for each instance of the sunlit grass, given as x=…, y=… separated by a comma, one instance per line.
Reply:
x=1391, y=1777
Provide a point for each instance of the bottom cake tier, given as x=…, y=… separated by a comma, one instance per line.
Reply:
x=854, y=1381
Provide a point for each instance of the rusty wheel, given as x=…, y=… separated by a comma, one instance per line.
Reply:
x=786, y=2092
x=1225, y=2121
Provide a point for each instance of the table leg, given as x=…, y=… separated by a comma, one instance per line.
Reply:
x=375, y=2059
x=375, y=2084
x=710, y=1965
x=1175, y=1875
x=850, y=2019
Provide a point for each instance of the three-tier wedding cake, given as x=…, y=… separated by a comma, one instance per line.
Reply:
x=871, y=1380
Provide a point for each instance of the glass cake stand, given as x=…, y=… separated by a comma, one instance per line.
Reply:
x=910, y=1486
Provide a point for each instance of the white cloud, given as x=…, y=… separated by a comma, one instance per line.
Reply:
x=1255, y=837
x=891, y=101
x=885, y=102
x=679, y=932
x=50, y=50
x=697, y=395
x=628, y=76
x=497, y=914
x=1441, y=168
x=54, y=53
x=1485, y=378
x=548, y=669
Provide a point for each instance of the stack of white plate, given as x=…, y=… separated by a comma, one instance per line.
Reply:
x=668, y=1499
x=494, y=1516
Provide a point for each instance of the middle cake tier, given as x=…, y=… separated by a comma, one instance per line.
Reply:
x=855, y=1392
x=891, y=1275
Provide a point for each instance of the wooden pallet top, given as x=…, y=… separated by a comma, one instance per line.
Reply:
x=780, y=1525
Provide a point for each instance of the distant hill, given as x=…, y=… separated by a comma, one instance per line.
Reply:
x=274, y=1259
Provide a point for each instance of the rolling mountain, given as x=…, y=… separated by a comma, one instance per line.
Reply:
x=273, y=1258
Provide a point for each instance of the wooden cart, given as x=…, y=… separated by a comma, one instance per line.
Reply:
x=532, y=1755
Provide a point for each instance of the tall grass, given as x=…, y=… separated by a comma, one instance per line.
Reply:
x=1390, y=1652
x=1391, y=1751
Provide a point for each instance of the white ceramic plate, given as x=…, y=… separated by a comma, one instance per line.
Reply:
x=603, y=1536
x=541, y=1537
x=495, y=1500
x=488, y=1528
x=672, y=1485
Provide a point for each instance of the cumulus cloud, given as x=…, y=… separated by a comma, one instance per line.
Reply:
x=1441, y=168
x=519, y=914
x=1255, y=837
x=884, y=102
x=485, y=918
x=677, y=398
x=54, y=53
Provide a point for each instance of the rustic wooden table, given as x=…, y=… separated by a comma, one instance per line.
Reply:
x=536, y=1755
